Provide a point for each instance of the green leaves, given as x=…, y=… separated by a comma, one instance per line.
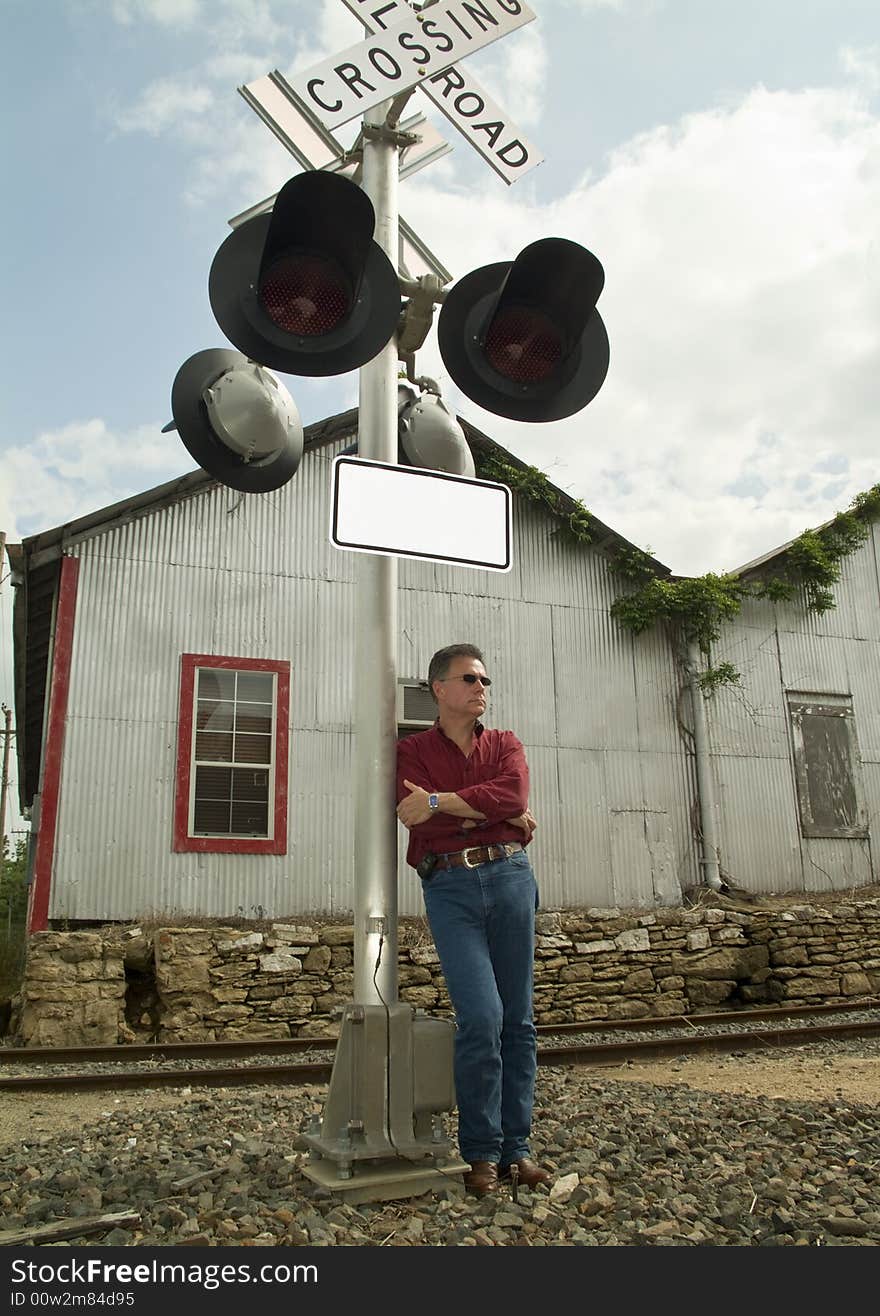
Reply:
x=530, y=483
x=699, y=606
x=812, y=562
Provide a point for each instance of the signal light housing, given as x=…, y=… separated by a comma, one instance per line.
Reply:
x=429, y=435
x=523, y=338
x=236, y=420
x=305, y=289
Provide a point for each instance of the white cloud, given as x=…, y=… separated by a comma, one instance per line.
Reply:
x=586, y=6
x=742, y=297
x=863, y=63
x=743, y=307
x=165, y=106
x=514, y=72
x=66, y=473
x=243, y=40
x=166, y=13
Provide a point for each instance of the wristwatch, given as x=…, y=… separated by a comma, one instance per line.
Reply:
x=434, y=802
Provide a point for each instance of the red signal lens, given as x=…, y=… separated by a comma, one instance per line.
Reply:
x=523, y=345
x=305, y=293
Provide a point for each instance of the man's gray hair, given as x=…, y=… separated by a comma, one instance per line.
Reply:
x=442, y=661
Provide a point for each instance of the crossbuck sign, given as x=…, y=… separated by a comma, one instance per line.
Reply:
x=409, y=50
x=347, y=84
x=380, y=508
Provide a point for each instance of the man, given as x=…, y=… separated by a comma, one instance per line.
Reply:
x=463, y=795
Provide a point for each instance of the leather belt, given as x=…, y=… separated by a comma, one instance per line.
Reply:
x=477, y=854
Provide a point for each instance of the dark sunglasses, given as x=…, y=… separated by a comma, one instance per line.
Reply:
x=470, y=678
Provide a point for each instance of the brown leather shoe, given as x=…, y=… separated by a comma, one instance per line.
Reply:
x=529, y=1173
x=481, y=1178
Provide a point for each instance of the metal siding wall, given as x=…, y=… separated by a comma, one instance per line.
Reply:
x=115, y=822
x=760, y=829
x=659, y=682
x=257, y=577
x=287, y=533
x=517, y=644
x=638, y=859
x=837, y=865
x=556, y=571
x=214, y=574
x=669, y=792
x=545, y=850
x=856, y=612
x=584, y=829
x=780, y=648
x=196, y=529
x=871, y=787
x=750, y=720
x=121, y=736
x=595, y=683
x=624, y=830
x=813, y=663
x=321, y=823
x=864, y=684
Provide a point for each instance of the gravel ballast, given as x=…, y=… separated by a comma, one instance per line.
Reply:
x=636, y=1163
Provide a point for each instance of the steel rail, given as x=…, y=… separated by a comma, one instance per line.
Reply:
x=291, y=1045
x=171, y=1050
x=650, y=1048
x=255, y=1075
x=715, y=1017
x=596, y=1053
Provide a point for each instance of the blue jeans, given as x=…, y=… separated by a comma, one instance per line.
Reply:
x=483, y=923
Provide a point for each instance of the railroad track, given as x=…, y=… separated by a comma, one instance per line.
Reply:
x=674, y=1036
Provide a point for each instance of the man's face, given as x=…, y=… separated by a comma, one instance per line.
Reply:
x=455, y=695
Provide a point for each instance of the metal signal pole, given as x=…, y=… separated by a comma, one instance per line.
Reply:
x=375, y=679
x=381, y=1135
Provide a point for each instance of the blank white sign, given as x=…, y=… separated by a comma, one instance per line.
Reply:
x=404, y=511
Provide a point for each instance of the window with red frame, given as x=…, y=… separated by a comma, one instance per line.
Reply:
x=232, y=755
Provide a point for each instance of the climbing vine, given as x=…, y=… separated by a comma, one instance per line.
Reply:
x=700, y=606
x=530, y=483
x=812, y=562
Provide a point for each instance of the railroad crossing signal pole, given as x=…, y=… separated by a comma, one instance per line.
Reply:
x=382, y=1134
x=375, y=675
x=301, y=286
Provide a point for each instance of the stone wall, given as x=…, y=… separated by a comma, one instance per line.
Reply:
x=73, y=992
x=119, y=984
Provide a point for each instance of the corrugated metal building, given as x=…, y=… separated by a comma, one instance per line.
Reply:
x=796, y=750
x=185, y=683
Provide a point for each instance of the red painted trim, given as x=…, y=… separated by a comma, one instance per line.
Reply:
x=50, y=789
x=276, y=844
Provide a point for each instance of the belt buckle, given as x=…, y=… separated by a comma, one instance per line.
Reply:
x=464, y=855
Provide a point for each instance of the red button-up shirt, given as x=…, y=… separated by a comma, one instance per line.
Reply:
x=494, y=780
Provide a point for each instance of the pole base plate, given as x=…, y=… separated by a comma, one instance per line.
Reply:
x=386, y=1181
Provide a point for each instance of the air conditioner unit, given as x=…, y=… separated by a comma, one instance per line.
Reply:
x=415, y=705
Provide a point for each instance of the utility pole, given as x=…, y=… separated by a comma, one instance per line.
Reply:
x=8, y=733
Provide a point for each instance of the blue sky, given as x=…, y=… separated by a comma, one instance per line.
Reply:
x=720, y=157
